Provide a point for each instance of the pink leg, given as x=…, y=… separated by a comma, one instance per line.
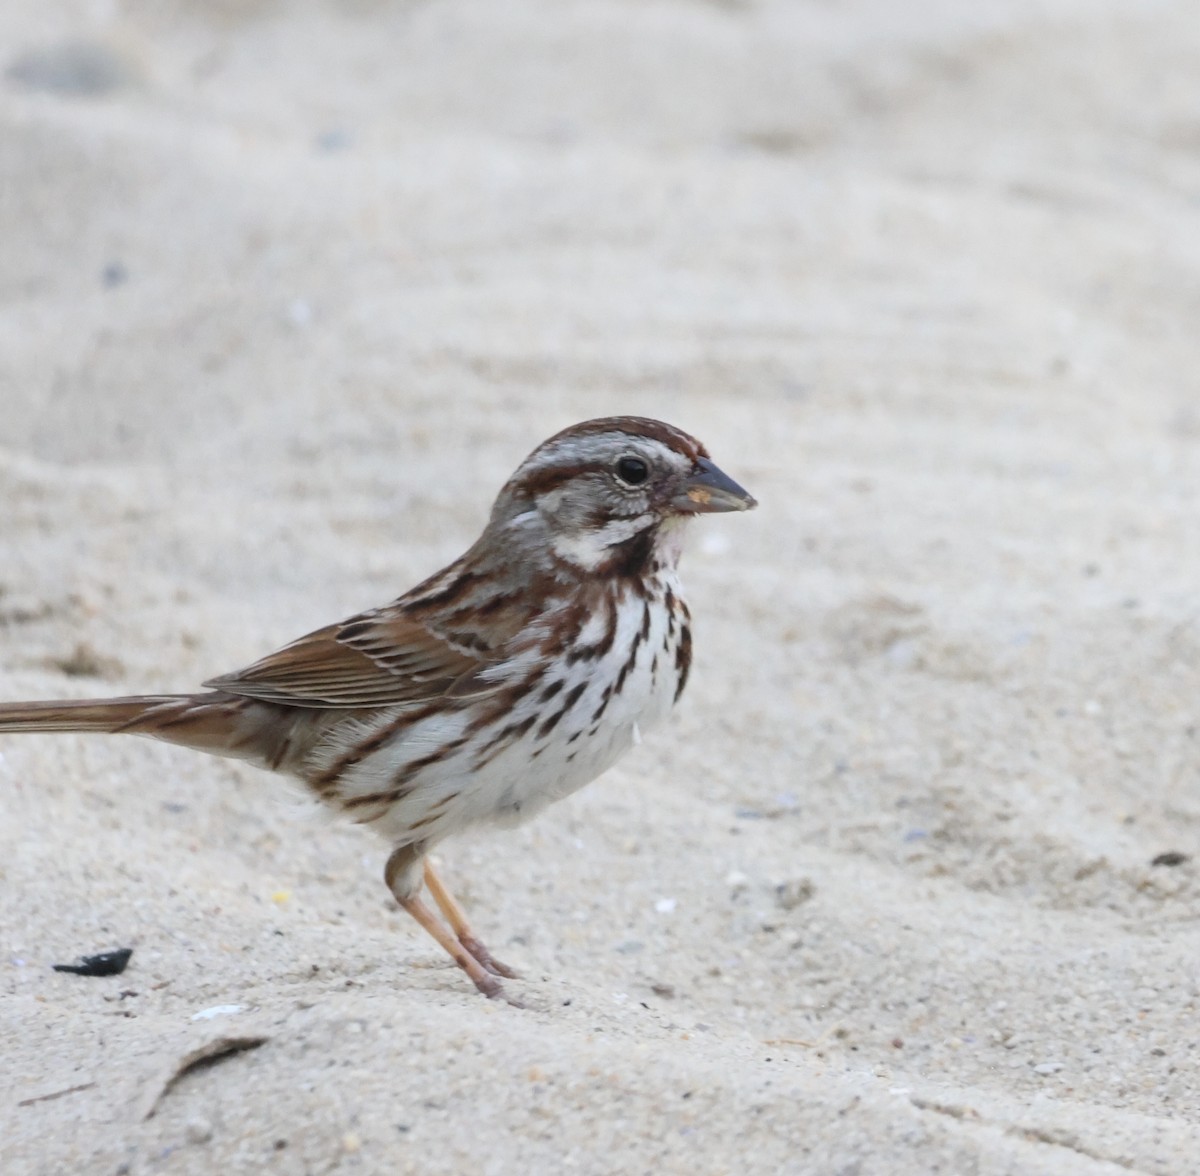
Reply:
x=457, y=919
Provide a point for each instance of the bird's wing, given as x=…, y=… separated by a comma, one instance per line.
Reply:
x=378, y=658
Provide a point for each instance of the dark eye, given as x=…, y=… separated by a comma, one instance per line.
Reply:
x=632, y=471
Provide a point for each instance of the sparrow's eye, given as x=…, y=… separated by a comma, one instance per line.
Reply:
x=632, y=471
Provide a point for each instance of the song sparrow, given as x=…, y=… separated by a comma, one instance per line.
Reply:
x=504, y=682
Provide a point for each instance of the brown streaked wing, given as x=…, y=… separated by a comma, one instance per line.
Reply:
x=375, y=659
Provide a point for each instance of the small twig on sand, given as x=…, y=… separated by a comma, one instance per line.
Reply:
x=210, y=1051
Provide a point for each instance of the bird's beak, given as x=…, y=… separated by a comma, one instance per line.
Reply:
x=708, y=490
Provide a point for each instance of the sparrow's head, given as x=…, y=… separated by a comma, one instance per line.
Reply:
x=604, y=491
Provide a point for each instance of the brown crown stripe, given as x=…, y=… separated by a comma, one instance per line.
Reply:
x=635, y=426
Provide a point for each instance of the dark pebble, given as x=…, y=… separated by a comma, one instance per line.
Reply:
x=107, y=963
x=1171, y=858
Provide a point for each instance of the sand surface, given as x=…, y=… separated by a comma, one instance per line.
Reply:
x=286, y=292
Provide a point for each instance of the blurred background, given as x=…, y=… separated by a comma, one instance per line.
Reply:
x=287, y=290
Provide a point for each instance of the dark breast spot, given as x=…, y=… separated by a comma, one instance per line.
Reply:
x=683, y=659
x=608, y=692
x=607, y=637
x=571, y=699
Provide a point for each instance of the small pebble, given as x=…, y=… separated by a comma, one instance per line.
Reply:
x=794, y=892
x=198, y=1130
x=1172, y=857
x=217, y=1011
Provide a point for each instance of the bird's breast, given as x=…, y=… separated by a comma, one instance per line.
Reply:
x=565, y=713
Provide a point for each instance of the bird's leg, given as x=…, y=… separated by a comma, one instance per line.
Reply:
x=457, y=919
x=403, y=881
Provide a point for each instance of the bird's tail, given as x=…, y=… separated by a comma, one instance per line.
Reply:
x=84, y=714
x=265, y=733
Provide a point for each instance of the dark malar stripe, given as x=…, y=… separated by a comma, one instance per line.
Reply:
x=630, y=560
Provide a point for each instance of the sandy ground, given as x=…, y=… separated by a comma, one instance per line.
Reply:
x=287, y=290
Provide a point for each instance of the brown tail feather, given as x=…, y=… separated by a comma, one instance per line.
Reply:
x=84, y=714
x=265, y=733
